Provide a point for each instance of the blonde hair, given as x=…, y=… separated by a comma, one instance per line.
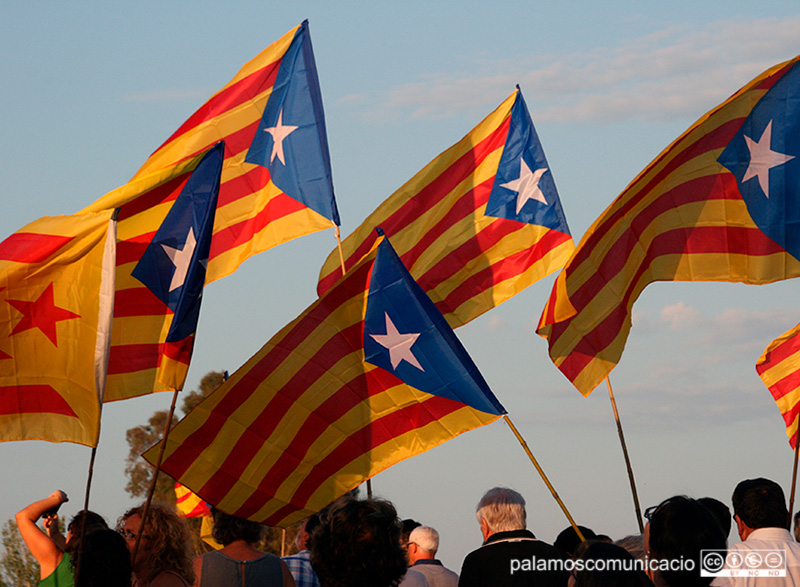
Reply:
x=503, y=509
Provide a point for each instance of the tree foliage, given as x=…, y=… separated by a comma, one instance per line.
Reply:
x=141, y=438
x=18, y=568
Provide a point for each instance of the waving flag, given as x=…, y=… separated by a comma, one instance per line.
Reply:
x=476, y=226
x=721, y=203
x=160, y=282
x=309, y=417
x=56, y=293
x=779, y=369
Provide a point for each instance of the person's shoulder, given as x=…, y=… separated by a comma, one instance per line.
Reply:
x=169, y=579
x=413, y=578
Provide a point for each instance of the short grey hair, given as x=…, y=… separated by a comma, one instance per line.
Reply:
x=503, y=509
x=426, y=538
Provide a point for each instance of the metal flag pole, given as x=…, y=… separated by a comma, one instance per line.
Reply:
x=794, y=470
x=544, y=477
x=627, y=458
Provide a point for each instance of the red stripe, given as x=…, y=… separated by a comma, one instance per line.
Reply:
x=138, y=301
x=780, y=353
x=130, y=251
x=165, y=192
x=784, y=386
x=33, y=399
x=426, y=198
x=130, y=358
x=374, y=434
x=499, y=271
x=181, y=350
x=303, y=329
x=229, y=98
x=31, y=247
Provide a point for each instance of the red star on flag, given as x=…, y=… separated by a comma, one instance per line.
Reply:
x=42, y=314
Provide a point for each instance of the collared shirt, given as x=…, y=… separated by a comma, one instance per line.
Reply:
x=300, y=566
x=435, y=572
x=764, y=540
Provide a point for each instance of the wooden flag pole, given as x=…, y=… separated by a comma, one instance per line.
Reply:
x=794, y=470
x=544, y=477
x=344, y=270
x=627, y=458
x=283, y=542
x=152, y=489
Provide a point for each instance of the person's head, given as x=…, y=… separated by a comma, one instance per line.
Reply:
x=94, y=521
x=721, y=513
x=423, y=543
x=356, y=543
x=165, y=544
x=501, y=510
x=229, y=528
x=612, y=566
x=105, y=560
x=759, y=503
x=306, y=528
x=634, y=544
x=406, y=527
x=797, y=526
x=678, y=530
x=567, y=540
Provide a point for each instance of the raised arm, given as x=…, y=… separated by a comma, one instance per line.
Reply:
x=42, y=547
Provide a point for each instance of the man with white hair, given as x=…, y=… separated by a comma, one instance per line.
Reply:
x=511, y=555
x=423, y=543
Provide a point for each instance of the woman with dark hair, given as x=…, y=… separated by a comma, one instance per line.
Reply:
x=611, y=566
x=105, y=561
x=51, y=550
x=357, y=543
x=164, y=558
x=238, y=562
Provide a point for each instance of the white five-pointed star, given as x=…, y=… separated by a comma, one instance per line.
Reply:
x=181, y=258
x=279, y=132
x=399, y=345
x=527, y=185
x=763, y=158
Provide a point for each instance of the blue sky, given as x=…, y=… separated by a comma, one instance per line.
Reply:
x=90, y=89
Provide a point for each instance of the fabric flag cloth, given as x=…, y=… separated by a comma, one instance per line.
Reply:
x=173, y=266
x=478, y=224
x=276, y=179
x=144, y=312
x=718, y=204
x=309, y=417
x=779, y=369
x=56, y=297
x=191, y=506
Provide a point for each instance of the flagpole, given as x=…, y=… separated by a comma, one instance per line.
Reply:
x=344, y=270
x=152, y=489
x=794, y=470
x=627, y=458
x=544, y=477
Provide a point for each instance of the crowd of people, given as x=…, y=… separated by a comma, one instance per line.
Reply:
x=363, y=543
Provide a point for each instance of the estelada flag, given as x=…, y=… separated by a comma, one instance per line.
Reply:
x=56, y=297
x=478, y=224
x=721, y=203
x=147, y=353
x=370, y=374
x=779, y=369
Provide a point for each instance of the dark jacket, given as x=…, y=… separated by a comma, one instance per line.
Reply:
x=491, y=565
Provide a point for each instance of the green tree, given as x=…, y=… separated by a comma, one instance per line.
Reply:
x=18, y=568
x=141, y=438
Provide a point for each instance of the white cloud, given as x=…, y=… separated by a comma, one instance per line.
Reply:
x=680, y=316
x=496, y=323
x=678, y=71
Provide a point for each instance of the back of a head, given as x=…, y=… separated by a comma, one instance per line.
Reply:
x=634, y=544
x=84, y=521
x=105, y=561
x=679, y=529
x=407, y=526
x=503, y=509
x=228, y=528
x=760, y=503
x=721, y=513
x=357, y=543
x=612, y=566
x=426, y=538
x=567, y=540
